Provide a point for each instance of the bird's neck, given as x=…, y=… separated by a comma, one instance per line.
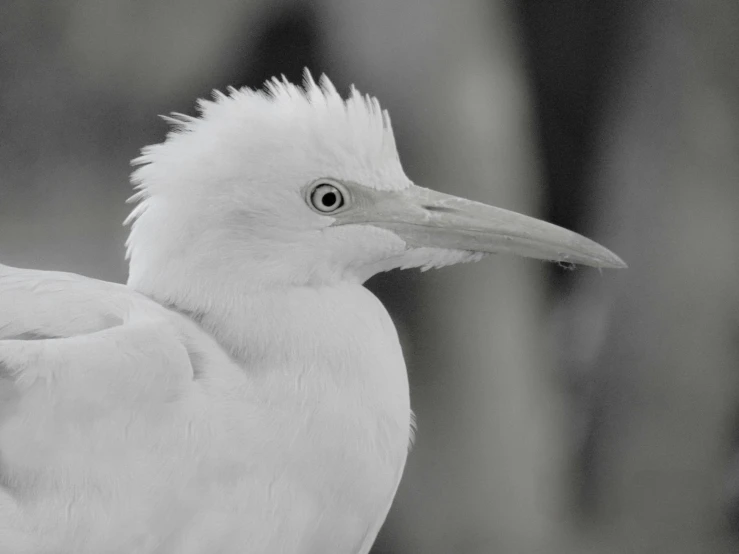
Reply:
x=317, y=343
x=269, y=322
x=327, y=364
x=339, y=327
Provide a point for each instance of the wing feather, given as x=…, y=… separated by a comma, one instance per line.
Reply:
x=56, y=304
x=94, y=379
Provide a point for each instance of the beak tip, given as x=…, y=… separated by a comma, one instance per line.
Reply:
x=594, y=255
x=612, y=261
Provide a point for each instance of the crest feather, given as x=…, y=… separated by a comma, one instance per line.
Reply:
x=271, y=125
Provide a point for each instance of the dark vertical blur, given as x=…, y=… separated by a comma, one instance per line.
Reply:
x=575, y=53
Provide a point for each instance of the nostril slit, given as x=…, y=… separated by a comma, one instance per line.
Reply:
x=441, y=209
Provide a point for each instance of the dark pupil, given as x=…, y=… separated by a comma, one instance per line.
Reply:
x=329, y=199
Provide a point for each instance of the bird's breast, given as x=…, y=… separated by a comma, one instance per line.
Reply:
x=318, y=428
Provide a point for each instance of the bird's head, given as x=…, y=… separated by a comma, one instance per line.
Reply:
x=298, y=186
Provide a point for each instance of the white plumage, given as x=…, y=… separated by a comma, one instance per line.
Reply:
x=243, y=393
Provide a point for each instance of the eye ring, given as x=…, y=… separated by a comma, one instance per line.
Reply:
x=326, y=196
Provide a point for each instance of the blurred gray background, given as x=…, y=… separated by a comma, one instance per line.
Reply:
x=559, y=411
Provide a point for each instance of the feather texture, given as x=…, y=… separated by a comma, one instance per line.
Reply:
x=134, y=431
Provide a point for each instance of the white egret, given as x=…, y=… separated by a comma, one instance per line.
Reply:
x=243, y=393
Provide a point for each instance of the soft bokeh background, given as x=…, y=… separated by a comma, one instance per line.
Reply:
x=559, y=411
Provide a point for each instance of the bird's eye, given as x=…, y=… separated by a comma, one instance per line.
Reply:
x=326, y=198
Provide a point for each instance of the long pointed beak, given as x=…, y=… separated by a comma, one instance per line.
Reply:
x=426, y=218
